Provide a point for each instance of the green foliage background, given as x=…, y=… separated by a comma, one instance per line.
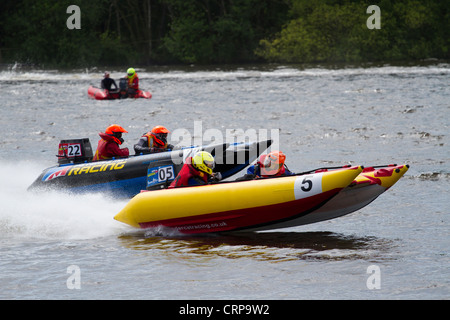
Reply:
x=120, y=32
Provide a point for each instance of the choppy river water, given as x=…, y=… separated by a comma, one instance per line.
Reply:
x=58, y=246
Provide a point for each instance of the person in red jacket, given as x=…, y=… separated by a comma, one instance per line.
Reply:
x=108, y=145
x=133, y=81
x=197, y=170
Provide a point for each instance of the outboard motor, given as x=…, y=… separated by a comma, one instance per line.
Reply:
x=74, y=151
x=123, y=86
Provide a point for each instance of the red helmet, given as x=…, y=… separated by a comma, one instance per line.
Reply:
x=272, y=163
x=115, y=128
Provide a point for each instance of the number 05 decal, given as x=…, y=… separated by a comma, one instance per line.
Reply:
x=307, y=186
x=165, y=173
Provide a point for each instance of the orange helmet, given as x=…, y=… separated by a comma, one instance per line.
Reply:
x=160, y=129
x=115, y=131
x=115, y=128
x=159, y=133
x=272, y=163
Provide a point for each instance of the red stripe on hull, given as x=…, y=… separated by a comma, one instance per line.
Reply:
x=244, y=218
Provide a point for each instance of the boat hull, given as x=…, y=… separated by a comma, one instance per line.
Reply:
x=366, y=187
x=103, y=94
x=126, y=177
x=237, y=205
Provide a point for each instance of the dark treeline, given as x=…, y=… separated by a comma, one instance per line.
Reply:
x=120, y=32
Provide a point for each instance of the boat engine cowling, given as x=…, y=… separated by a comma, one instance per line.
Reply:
x=74, y=151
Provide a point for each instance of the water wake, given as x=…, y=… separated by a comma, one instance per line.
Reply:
x=52, y=215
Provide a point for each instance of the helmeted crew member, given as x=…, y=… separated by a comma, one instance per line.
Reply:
x=107, y=82
x=108, y=145
x=153, y=141
x=133, y=81
x=270, y=165
x=197, y=170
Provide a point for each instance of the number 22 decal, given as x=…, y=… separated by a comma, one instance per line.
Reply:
x=74, y=150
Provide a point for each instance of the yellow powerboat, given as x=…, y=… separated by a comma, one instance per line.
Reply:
x=237, y=205
x=367, y=186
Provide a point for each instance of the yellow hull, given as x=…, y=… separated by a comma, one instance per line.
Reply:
x=366, y=187
x=235, y=205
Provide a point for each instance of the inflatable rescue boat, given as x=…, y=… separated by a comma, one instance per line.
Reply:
x=103, y=94
x=238, y=205
x=126, y=177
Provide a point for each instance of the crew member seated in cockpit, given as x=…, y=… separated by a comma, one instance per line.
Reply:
x=108, y=145
x=108, y=82
x=197, y=170
x=270, y=165
x=153, y=141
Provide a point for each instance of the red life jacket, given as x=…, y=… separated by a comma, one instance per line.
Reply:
x=108, y=147
x=189, y=176
x=154, y=143
x=272, y=173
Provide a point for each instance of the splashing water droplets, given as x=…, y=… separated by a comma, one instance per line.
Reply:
x=52, y=214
